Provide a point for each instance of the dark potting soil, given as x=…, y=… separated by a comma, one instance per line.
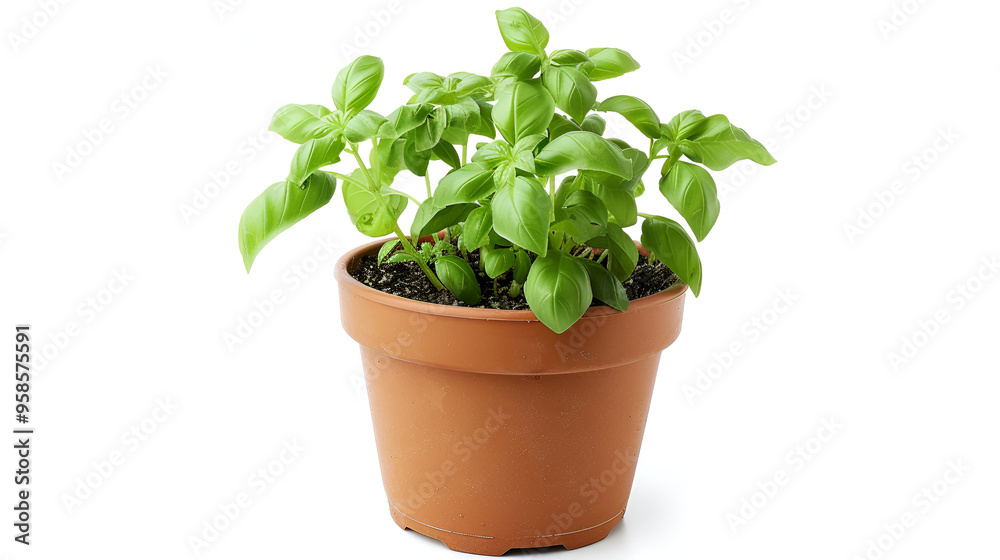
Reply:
x=406, y=280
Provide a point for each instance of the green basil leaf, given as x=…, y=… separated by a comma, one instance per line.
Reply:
x=436, y=96
x=301, y=123
x=431, y=218
x=637, y=111
x=571, y=90
x=558, y=290
x=522, y=265
x=401, y=257
x=465, y=114
x=499, y=240
x=588, y=206
x=667, y=241
x=494, y=153
x=569, y=57
x=386, y=250
x=586, y=68
x=470, y=183
x=584, y=217
x=719, y=144
x=467, y=84
x=606, y=287
x=443, y=247
x=520, y=66
x=504, y=175
x=581, y=150
x=421, y=81
x=373, y=215
x=456, y=275
x=525, y=161
x=486, y=127
x=476, y=231
x=620, y=143
x=561, y=125
x=684, y=125
x=415, y=161
x=528, y=143
x=447, y=153
x=621, y=204
x=524, y=109
x=455, y=136
x=521, y=214
x=496, y=261
x=357, y=85
x=364, y=126
x=639, y=164
x=405, y=119
x=624, y=254
x=523, y=153
x=610, y=63
x=595, y=124
x=691, y=190
x=390, y=159
x=568, y=186
x=427, y=135
x=522, y=32
x=579, y=230
x=313, y=155
x=278, y=208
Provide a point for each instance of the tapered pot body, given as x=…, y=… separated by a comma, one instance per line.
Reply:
x=495, y=433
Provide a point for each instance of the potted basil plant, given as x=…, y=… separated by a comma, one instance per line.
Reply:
x=511, y=337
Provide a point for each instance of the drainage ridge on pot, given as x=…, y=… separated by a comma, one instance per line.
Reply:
x=494, y=432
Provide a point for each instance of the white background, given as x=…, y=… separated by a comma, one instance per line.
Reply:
x=845, y=102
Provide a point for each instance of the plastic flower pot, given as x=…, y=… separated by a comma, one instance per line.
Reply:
x=493, y=432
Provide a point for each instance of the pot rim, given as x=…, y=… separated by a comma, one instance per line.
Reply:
x=346, y=280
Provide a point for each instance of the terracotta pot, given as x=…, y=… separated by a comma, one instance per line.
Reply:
x=495, y=433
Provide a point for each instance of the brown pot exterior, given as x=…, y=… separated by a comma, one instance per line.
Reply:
x=495, y=433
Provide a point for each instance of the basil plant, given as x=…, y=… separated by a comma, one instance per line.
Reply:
x=542, y=194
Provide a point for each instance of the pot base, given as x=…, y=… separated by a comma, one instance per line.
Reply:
x=497, y=546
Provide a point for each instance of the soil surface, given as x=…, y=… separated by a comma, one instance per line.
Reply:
x=405, y=279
